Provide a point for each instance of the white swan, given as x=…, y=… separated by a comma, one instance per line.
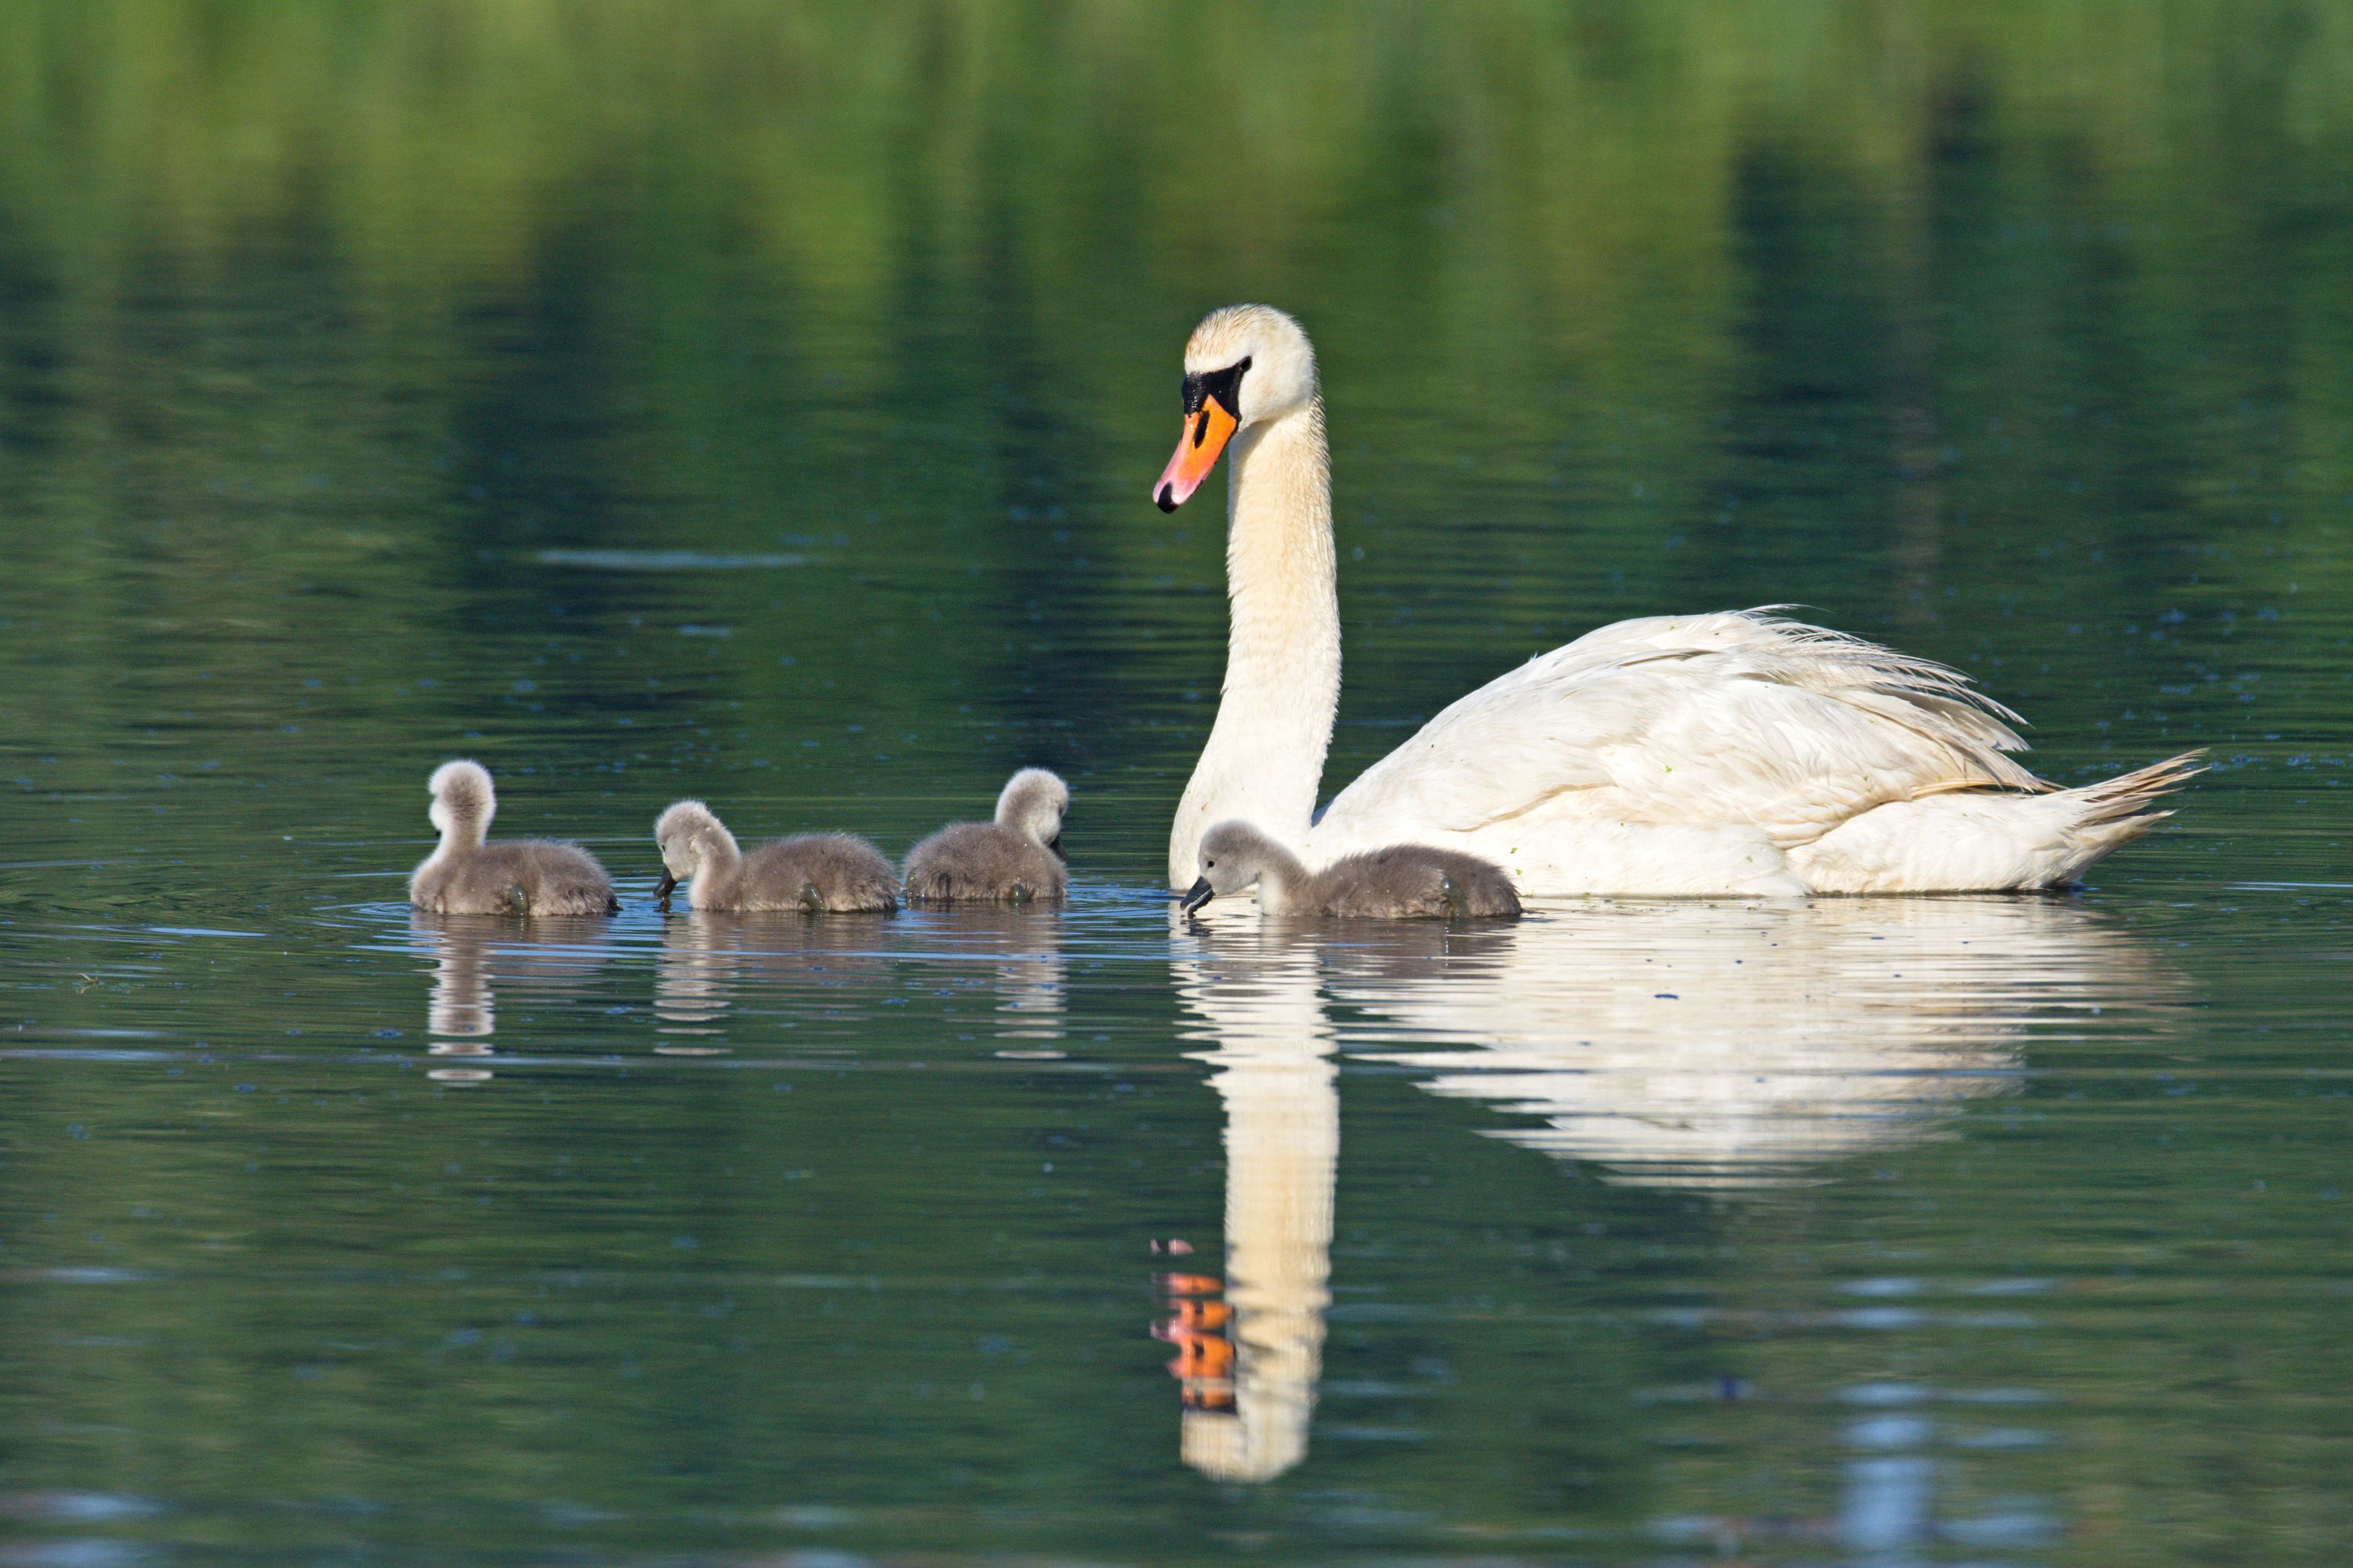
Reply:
x=1729, y=753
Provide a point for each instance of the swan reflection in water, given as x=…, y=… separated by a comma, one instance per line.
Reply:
x=1247, y=1365
x=710, y=962
x=1721, y=1048
x=475, y=957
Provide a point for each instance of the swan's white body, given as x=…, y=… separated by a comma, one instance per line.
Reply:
x=1729, y=753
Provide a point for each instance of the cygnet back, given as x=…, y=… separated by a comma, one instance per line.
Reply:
x=831, y=872
x=1015, y=859
x=818, y=872
x=1409, y=882
x=468, y=875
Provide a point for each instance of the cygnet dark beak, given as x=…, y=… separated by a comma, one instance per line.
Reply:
x=1055, y=844
x=1200, y=892
x=665, y=887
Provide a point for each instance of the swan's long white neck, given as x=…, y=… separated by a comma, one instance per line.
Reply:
x=1265, y=755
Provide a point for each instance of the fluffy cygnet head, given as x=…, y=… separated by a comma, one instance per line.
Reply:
x=463, y=801
x=1234, y=857
x=1033, y=804
x=692, y=838
x=1244, y=366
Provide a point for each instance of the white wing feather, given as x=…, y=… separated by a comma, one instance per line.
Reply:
x=1741, y=718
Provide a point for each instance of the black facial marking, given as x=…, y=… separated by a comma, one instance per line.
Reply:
x=1225, y=385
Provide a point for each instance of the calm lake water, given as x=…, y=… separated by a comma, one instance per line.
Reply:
x=760, y=404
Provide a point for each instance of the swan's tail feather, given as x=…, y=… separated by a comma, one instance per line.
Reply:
x=1954, y=840
x=2115, y=812
x=1938, y=702
x=2132, y=795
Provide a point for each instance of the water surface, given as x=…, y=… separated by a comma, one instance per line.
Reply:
x=760, y=404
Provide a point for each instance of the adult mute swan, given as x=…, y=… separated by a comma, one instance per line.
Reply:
x=1729, y=753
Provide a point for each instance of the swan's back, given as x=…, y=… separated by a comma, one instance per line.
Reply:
x=1409, y=882
x=835, y=873
x=1739, y=718
x=982, y=862
x=516, y=876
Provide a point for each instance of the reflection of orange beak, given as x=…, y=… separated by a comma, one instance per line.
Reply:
x=1204, y=1315
x=1205, y=435
x=1201, y=1356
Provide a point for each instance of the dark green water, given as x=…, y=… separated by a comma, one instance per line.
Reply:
x=760, y=403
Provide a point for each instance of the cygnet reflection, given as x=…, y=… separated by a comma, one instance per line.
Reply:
x=711, y=961
x=712, y=964
x=1728, y=1046
x=1015, y=952
x=475, y=957
x=1724, y=1047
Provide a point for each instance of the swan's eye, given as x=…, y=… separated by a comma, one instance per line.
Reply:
x=1224, y=386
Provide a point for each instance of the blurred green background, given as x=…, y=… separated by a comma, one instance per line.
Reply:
x=1964, y=324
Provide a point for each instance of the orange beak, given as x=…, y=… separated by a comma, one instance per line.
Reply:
x=1206, y=431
